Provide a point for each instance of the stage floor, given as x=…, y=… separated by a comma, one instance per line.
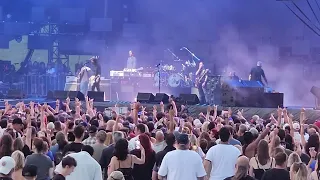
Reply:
x=264, y=113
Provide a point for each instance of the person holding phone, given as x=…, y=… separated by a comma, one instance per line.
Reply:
x=144, y=171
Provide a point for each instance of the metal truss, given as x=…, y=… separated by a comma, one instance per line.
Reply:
x=54, y=55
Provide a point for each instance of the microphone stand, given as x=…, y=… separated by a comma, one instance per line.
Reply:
x=192, y=54
x=174, y=55
x=159, y=84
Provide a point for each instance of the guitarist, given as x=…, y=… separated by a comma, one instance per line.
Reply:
x=96, y=69
x=83, y=78
x=201, y=80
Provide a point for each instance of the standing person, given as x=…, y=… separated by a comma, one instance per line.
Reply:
x=83, y=77
x=29, y=172
x=95, y=79
x=256, y=73
x=39, y=159
x=123, y=161
x=242, y=168
x=144, y=171
x=132, y=61
x=91, y=140
x=7, y=164
x=77, y=145
x=19, y=159
x=280, y=171
x=201, y=81
x=99, y=146
x=233, y=76
x=298, y=171
x=107, y=153
x=86, y=168
x=139, y=129
x=160, y=143
x=221, y=158
x=262, y=161
x=182, y=163
x=170, y=141
x=68, y=164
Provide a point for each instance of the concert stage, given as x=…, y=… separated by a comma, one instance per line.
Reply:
x=264, y=113
x=311, y=114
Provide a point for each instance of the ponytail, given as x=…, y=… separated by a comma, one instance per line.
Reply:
x=300, y=171
x=242, y=172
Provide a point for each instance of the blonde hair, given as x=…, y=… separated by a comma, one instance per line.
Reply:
x=17, y=144
x=19, y=159
x=299, y=171
x=108, y=140
x=186, y=130
x=205, y=126
x=293, y=158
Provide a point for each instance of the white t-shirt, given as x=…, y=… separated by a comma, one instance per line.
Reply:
x=182, y=164
x=297, y=136
x=223, y=158
x=87, y=168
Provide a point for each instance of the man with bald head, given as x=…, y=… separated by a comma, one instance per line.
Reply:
x=160, y=144
x=242, y=169
x=257, y=73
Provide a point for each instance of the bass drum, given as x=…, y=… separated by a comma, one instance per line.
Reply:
x=175, y=80
x=163, y=79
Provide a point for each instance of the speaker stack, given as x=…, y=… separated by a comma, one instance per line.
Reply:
x=190, y=99
x=242, y=94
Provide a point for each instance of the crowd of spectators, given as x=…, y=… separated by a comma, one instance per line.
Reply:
x=43, y=142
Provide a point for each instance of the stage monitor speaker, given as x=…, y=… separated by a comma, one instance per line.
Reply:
x=62, y=95
x=145, y=97
x=273, y=100
x=15, y=94
x=189, y=99
x=96, y=96
x=76, y=94
x=161, y=97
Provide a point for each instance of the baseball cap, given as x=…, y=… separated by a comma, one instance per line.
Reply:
x=7, y=163
x=17, y=121
x=29, y=171
x=183, y=139
x=93, y=129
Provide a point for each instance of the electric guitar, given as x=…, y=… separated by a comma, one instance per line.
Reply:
x=200, y=79
x=94, y=79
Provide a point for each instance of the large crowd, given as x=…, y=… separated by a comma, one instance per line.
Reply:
x=40, y=142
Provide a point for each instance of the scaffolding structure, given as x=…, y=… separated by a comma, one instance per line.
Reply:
x=54, y=55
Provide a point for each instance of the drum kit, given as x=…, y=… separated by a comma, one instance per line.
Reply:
x=172, y=77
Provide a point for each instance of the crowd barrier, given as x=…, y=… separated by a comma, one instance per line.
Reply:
x=39, y=85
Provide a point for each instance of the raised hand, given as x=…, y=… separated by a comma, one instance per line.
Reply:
x=68, y=101
x=279, y=110
x=31, y=104
x=215, y=108
x=57, y=102
x=209, y=109
x=171, y=113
